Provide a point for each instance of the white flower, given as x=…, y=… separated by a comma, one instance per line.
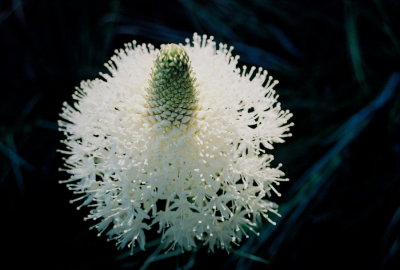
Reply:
x=175, y=139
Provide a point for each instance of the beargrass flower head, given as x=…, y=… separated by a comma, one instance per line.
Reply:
x=175, y=140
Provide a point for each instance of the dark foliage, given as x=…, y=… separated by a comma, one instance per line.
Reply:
x=338, y=66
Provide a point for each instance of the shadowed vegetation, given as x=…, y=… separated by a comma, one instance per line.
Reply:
x=338, y=67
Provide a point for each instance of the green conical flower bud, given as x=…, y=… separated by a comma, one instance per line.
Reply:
x=172, y=91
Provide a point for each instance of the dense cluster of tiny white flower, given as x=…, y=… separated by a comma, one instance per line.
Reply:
x=201, y=180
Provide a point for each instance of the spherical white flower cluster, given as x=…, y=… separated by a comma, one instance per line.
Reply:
x=175, y=139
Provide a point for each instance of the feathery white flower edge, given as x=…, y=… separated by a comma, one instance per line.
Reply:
x=202, y=181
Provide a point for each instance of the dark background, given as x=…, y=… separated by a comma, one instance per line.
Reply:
x=337, y=62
